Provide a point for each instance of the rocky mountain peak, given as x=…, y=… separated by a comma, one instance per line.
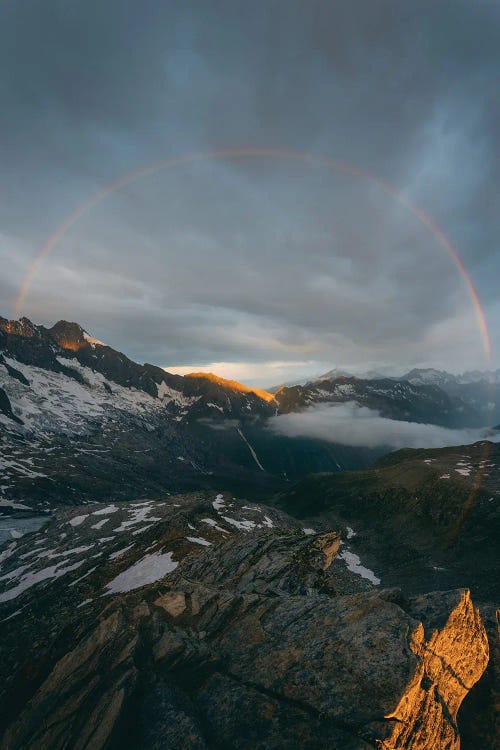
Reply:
x=22, y=327
x=335, y=374
x=72, y=336
x=428, y=375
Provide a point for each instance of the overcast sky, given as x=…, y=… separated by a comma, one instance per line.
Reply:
x=262, y=268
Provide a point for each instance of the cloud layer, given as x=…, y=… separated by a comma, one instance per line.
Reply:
x=358, y=426
x=254, y=260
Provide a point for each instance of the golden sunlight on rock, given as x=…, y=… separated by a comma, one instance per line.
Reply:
x=232, y=384
x=450, y=662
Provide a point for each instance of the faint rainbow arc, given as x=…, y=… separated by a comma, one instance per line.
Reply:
x=73, y=217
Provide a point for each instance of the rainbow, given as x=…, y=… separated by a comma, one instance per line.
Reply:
x=314, y=160
x=298, y=156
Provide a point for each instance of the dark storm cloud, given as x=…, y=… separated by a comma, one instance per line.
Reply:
x=252, y=259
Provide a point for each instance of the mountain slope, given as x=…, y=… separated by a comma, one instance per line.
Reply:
x=80, y=421
x=202, y=621
x=480, y=391
x=393, y=399
x=422, y=518
x=85, y=422
x=197, y=622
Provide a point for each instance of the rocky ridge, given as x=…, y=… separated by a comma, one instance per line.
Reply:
x=441, y=505
x=80, y=421
x=204, y=622
x=393, y=399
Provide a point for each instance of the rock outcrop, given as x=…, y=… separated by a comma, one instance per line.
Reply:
x=252, y=639
x=6, y=408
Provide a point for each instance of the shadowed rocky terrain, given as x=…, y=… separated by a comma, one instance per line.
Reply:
x=424, y=520
x=143, y=606
x=428, y=518
x=200, y=621
x=80, y=421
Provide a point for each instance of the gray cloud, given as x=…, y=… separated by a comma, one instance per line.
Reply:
x=358, y=426
x=254, y=259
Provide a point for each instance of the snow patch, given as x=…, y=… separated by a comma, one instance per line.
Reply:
x=243, y=525
x=91, y=340
x=99, y=524
x=211, y=522
x=149, y=569
x=77, y=520
x=104, y=511
x=119, y=552
x=30, y=579
x=138, y=515
x=199, y=540
x=353, y=563
x=219, y=503
x=73, y=583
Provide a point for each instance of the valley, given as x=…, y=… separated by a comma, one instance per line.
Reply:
x=163, y=544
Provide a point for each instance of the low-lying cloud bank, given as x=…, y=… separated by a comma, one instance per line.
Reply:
x=358, y=426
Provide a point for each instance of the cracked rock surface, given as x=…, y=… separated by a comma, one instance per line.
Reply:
x=253, y=636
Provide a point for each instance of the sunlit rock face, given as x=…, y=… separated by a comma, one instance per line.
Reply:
x=71, y=336
x=231, y=385
x=22, y=327
x=199, y=621
x=451, y=659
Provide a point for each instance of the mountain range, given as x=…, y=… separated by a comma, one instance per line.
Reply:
x=177, y=572
x=479, y=389
x=78, y=418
